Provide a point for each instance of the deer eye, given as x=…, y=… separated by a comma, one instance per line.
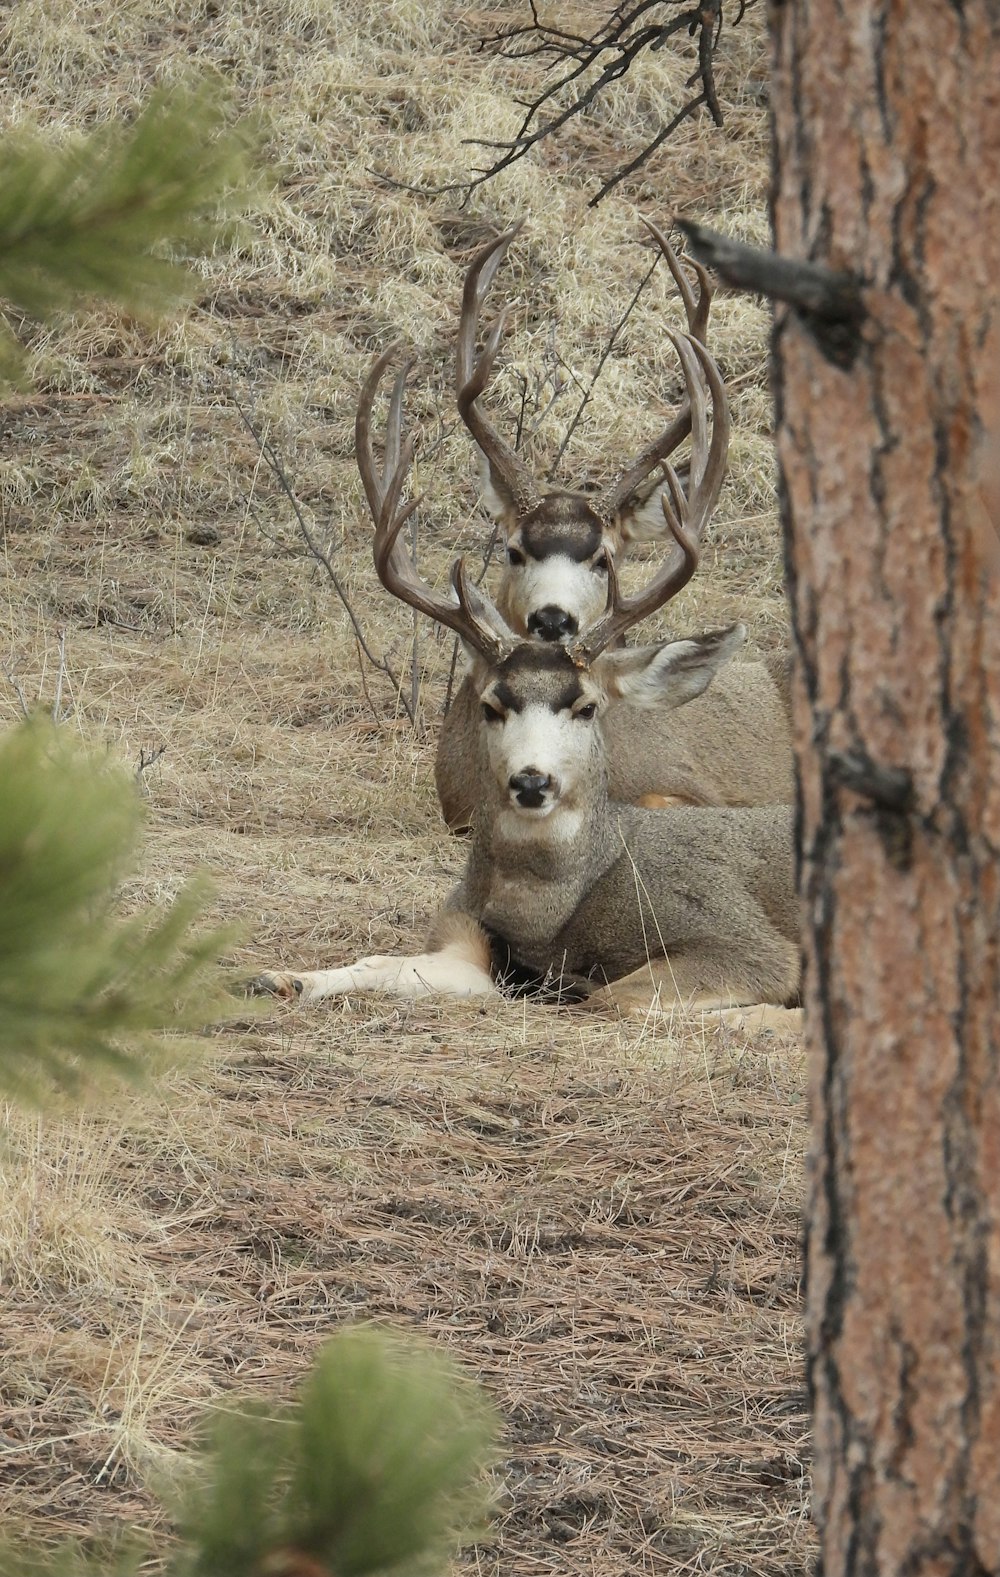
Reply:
x=585, y=713
x=601, y=564
x=515, y=556
x=491, y=713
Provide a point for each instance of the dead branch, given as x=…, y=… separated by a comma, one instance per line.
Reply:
x=147, y=759
x=591, y=65
x=323, y=556
x=829, y=302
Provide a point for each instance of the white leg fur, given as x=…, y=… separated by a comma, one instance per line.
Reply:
x=764, y=1016
x=458, y=968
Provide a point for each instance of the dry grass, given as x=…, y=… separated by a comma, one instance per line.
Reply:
x=600, y=1220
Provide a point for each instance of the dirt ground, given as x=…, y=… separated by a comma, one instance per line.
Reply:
x=598, y=1219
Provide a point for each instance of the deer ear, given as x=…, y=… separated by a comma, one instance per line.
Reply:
x=474, y=664
x=641, y=517
x=497, y=501
x=669, y=675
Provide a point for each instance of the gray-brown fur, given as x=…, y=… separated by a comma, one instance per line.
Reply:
x=710, y=889
x=731, y=745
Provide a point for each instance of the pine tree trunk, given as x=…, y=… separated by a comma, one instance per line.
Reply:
x=887, y=121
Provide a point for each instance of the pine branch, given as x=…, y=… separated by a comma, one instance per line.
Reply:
x=111, y=215
x=83, y=993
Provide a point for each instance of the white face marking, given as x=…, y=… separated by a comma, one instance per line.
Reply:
x=557, y=581
x=537, y=742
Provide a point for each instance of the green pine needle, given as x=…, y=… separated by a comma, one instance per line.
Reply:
x=111, y=214
x=378, y=1468
x=81, y=991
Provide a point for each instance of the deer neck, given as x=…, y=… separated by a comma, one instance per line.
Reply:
x=527, y=877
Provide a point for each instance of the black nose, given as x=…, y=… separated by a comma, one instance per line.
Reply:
x=552, y=624
x=530, y=788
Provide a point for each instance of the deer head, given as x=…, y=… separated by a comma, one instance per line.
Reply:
x=560, y=543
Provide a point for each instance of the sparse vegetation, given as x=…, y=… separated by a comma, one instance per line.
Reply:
x=600, y=1220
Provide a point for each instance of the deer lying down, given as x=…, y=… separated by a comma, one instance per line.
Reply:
x=563, y=887
x=729, y=746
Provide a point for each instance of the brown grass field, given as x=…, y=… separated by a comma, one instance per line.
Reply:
x=599, y=1219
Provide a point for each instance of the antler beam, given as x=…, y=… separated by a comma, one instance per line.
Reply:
x=472, y=373
x=471, y=618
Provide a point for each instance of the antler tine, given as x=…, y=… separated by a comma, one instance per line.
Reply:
x=398, y=573
x=708, y=460
x=375, y=483
x=622, y=612
x=685, y=518
x=696, y=312
x=472, y=374
x=495, y=639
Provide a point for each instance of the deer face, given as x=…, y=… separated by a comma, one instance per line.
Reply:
x=554, y=584
x=555, y=581
x=538, y=720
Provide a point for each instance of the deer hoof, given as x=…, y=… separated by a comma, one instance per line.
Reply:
x=287, y=987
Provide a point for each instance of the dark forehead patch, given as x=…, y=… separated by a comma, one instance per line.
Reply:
x=562, y=523
x=537, y=674
x=507, y=697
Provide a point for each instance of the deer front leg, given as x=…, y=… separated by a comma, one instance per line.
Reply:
x=458, y=967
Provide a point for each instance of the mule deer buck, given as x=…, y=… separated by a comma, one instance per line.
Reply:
x=561, y=885
x=731, y=744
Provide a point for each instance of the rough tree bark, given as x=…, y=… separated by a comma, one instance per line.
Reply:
x=887, y=122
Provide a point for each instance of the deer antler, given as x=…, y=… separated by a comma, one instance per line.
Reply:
x=696, y=311
x=472, y=618
x=472, y=374
x=686, y=517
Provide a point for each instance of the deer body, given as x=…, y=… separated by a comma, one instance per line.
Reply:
x=706, y=897
x=565, y=886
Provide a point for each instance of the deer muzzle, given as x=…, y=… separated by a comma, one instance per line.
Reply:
x=532, y=790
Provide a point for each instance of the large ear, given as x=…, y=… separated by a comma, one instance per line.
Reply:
x=668, y=675
x=641, y=517
x=497, y=501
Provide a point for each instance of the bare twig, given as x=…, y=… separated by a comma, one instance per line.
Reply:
x=56, y=711
x=415, y=644
x=593, y=64
x=60, y=677
x=147, y=759
x=15, y=685
x=449, y=689
x=373, y=709
x=322, y=556
x=602, y=360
